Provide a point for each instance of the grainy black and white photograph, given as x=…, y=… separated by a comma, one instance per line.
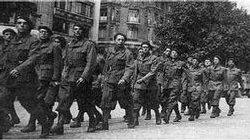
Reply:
x=125, y=69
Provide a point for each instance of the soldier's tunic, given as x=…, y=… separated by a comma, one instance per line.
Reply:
x=145, y=93
x=195, y=90
x=184, y=96
x=25, y=85
x=172, y=82
x=233, y=78
x=79, y=61
x=115, y=64
x=47, y=60
x=205, y=96
x=217, y=76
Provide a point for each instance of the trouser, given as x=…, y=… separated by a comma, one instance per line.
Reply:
x=204, y=96
x=171, y=99
x=113, y=93
x=69, y=91
x=194, y=100
x=148, y=98
x=215, y=96
x=230, y=97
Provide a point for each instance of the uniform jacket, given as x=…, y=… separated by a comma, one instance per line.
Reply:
x=217, y=76
x=115, y=64
x=174, y=73
x=233, y=77
x=196, y=78
x=146, y=69
x=17, y=53
x=47, y=60
x=206, y=78
x=79, y=61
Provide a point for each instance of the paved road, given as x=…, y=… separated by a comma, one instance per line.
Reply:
x=224, y=127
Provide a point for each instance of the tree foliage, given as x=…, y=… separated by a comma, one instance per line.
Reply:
x=204, y=29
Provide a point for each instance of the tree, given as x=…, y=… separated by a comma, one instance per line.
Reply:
x=203, y=29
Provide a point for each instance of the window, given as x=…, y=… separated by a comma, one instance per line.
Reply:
x=132, y=33
x=133, y=16
x=60, y=25
x=102, y=32
x=104, y=14
x=83, y=9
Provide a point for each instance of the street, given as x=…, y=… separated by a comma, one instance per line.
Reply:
x=224, y=127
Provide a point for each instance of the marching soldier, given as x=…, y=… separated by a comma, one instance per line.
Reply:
x=80, y=58
x=114, y=87
x=25, y=85
x=184, y=96
x=217, y=76
x=8, y=35
x=144, y=83
x=46, y=58
x=165, y=60
x=171, y=84
x=195, y=90
x=205, y=94
x=233, y=78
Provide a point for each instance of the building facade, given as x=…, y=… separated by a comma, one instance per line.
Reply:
x=135, y=19
x=59, y=15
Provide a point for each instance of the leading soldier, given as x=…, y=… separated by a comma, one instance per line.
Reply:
x=76, y=81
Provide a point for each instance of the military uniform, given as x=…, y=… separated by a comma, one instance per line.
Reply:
x=47, y=60
x=172, y=86
x=79, y=62
x=117, y=60
x=195, y=92
x=25, y=85
x=233, y=78
x=217, y=76
x=145, y=92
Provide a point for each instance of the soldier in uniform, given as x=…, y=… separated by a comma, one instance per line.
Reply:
x=172, y=86
x=217, y=76
x=8, y=35
x=46, y=58
x=165, y=60
x=76, y=81
x=117, y=60
x=184, y=96
x=233, y=78
x=205, y=98
x=25, y=85
x=144, y=72
x=195, y=90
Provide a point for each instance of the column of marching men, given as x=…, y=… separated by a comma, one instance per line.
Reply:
x=39, y=71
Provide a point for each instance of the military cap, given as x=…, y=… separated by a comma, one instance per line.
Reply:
x=30, y=23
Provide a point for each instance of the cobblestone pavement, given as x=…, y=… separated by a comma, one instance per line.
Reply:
x=224, y=127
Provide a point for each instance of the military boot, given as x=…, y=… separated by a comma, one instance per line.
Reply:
x=213, y=114
x=163, y=112
x=92, y=124
x=183, y=108
x=178, y=115
x=167, y=116
x=134, y=119
x=203, y=109
x=191, y=118
x=208, y=105
x=157, y=117
x=31, y=127
x=148, y=116
x=105, y=124
x=45, y=126
x=51, y=118
x=217, y=111
x=143, y=111
x=59, y=129
x=231, y=111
